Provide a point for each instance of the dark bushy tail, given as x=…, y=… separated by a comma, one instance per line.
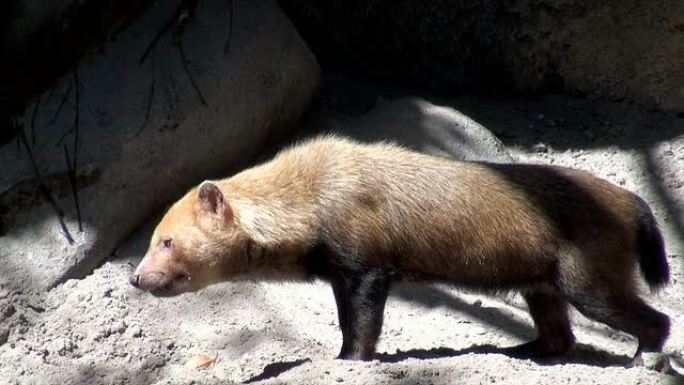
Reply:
x=651, y=247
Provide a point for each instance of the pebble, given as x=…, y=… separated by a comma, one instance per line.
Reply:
x=540, y=148
x=60, y=346
x=107, y=292
x=136, y=331
x=86, y=297
x=7, y=311
x=118, y=327
x=4, y=335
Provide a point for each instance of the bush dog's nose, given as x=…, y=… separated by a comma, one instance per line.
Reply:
x=135, y=280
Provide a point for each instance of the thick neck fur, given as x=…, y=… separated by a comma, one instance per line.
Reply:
x=275, y=205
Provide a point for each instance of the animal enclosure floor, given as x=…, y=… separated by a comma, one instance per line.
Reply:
x=99, y=330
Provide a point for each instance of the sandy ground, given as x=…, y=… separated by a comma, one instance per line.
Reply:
x=99, y=330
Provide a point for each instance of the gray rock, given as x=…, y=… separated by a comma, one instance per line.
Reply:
x=619, y=50
x=144, y=134
x=425, y=127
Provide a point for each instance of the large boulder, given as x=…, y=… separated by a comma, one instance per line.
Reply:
x=137, y=134
x=423, y=126
x=624, y=50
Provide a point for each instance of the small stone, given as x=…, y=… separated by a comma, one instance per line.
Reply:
x=118, y=327
x=84, y=297
x=540, y=148
x=107, y=292
x=677, y=364
x=4, y=293
x=477, y=303
x=103, y=333
x=136, y=331
x=655, y=361
x=4, y=335
x=60, y=346
x=7, y=311
x=339, y=379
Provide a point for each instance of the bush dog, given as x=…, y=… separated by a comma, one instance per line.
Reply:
x=362, y=216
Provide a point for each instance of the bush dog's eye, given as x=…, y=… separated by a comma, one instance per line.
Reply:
x=166, y=242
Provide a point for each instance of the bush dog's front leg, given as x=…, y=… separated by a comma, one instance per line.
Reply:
x=361, y=298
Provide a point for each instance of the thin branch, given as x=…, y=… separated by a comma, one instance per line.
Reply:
x=187, y=11
x=64, y=135
x=169, y=23
x=33, y=121
x=231, y=10
x=74, y=128
x=187, y=71
x=52, y=92
x=72, y=172
x=74, y=189
x=150, y=99
x=65, y=97
x=76, y=120
x=45, y=189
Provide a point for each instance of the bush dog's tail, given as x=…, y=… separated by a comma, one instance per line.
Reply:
x=652, y=257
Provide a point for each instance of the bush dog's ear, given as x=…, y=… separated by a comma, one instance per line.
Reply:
x=212, y=202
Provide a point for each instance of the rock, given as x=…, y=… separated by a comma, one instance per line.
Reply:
x=60, y=346
x=676, y=364
x=659, y=362
x=540, y=148
x=135, y=331
x=118, y=327
x=425, y=127
x=619, y=50
x=4, y=335
x=144, y=133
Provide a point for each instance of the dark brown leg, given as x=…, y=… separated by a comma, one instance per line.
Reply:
x=341, y=292
x=549, y=311
x=631, y=315
x=361, y=300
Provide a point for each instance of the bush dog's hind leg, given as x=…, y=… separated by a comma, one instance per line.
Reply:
x=624, y=311
x=549, y=310
x=341, y=292
x=361, y=298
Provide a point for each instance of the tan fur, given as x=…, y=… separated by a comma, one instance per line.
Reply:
x=386, y=212
x=422, y=210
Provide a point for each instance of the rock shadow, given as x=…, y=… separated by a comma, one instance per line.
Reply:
x=432, y=297
x=583, y=355
x=275, y=369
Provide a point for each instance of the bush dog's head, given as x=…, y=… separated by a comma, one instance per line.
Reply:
x=188, y=248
